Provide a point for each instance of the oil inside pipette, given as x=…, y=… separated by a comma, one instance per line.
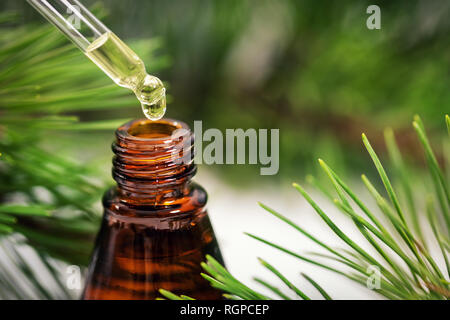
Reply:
x=127, y=70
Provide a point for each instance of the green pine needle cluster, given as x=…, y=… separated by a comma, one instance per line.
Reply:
x=401, y=250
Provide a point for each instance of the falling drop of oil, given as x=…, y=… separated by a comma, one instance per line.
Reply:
x=152, y=95
x=155, y=111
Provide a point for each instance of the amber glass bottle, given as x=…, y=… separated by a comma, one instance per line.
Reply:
x=155, y=230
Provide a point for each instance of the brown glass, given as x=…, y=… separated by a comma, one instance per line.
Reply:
x=155, y=230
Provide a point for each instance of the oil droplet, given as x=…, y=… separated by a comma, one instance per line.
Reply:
x=156, y=110
x=152, y=95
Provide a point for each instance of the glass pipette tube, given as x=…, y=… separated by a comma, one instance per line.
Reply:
x=107, y=51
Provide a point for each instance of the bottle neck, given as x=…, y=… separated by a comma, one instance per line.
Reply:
x=153, y=162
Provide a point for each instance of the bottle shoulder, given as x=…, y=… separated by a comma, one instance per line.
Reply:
x=192, y=201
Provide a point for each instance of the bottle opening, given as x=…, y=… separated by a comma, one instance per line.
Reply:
x=153, y=130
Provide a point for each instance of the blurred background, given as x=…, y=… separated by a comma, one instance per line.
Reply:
x=310, y=68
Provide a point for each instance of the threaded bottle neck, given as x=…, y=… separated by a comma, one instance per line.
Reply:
x=153, y=160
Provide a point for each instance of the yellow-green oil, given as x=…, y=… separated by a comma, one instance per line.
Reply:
x=126, y=69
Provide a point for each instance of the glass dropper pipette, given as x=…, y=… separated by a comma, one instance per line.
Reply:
x=107, y=51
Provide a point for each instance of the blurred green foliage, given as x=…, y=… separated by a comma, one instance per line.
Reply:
x=310, y=68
